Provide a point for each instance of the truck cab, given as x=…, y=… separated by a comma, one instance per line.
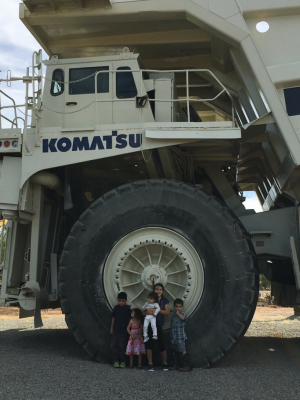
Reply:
x=70, y=87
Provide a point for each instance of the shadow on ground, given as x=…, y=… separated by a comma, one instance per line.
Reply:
x=44, y=341
x=263, y=352
x=50, y=364
x=251, y=351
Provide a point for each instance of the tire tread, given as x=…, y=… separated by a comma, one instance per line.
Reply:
x=224, y=213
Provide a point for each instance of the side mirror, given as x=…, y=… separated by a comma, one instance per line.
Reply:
x=141, y=101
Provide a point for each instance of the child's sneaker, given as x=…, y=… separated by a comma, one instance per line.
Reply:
x=164, y=367
x=154, y=338
x=122, y=365
x=150, y=367
x=146, y=338
x=116, y=365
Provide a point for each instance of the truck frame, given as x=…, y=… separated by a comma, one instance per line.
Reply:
x=137, y=143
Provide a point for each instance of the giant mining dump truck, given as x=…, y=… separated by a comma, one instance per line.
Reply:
x=140, y=134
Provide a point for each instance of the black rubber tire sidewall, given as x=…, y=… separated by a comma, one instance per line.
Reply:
x=230, y=290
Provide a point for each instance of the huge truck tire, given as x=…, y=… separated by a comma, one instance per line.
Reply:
x=160, y=231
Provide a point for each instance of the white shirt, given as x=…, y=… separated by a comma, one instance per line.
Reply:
x=152, y=305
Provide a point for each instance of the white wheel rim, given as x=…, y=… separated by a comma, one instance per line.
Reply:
x=154, y=255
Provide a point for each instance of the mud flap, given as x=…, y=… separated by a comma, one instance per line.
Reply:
x=38, y=323
x=30, y=299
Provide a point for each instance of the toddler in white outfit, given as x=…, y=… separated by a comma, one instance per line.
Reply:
x=152, y=302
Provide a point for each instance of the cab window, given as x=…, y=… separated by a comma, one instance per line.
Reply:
x=57, y=84
x=292, y=97
x=87, y=86
x=125, y=85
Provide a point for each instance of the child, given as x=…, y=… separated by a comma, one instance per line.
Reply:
x=120, y=318
x=178, y=337
x=135, y=344
x=152, y=302
x=163, y=303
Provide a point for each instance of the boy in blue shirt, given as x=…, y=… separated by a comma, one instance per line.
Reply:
x=120, y=318
x=178, y=337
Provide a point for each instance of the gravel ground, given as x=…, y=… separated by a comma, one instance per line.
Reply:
x=48, y=363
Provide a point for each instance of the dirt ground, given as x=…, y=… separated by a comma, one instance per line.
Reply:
x=272, y=313
x=9, y=313
x=262, y=314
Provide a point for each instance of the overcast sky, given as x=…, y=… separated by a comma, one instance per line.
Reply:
x=252, y=202
x=16, y=48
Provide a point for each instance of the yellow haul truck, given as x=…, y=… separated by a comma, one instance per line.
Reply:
x=139, y=135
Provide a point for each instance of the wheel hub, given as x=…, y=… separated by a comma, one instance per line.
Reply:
x=154, y=255
x=152, y=275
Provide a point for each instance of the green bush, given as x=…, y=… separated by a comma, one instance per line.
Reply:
x=264, y=283
x=3, y=245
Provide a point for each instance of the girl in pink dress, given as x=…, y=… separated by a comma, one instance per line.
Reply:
x=135, y=344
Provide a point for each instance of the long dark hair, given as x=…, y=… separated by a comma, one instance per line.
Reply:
x=138, y=315
x=160, y=285
x=162, y=295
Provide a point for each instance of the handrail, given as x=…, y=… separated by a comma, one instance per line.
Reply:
x=187, y=98
x=26, y=115
x=187, y=95
x=17, y=119
x=37, y=100
x=18, y=105
x=14, y=122
x=13, y=106
x=36, y=97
